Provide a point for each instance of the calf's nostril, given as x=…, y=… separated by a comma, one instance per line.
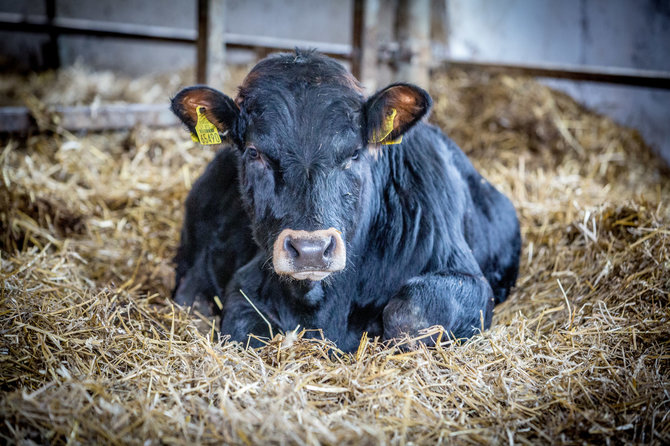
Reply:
x=290, y=248
x=330, y=248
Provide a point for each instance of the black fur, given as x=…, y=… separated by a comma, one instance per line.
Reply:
x=428, y=240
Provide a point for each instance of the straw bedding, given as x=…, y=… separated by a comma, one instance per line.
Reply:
x=93, y=352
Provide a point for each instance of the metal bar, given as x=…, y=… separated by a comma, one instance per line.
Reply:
x=104, y=117
x=624, y=76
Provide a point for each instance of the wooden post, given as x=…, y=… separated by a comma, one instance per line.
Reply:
x=439, y=30
x=365, y=43
x=211, y=45
x=413, y=33
x=50, y=51
x=357, y=38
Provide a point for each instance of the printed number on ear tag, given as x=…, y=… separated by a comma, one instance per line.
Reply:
x=379, y=137
x=207, y=133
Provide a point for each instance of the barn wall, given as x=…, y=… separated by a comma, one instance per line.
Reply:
x=326, y=21
x=619, y=33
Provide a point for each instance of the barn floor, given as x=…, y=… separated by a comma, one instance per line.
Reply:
x=93, y=352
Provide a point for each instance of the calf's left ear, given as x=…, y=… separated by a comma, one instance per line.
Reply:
x=394, y=110
x=217, y=108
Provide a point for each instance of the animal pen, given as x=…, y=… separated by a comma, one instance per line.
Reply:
x=95, y=173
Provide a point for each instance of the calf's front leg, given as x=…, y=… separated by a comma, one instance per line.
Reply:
x=457, y=301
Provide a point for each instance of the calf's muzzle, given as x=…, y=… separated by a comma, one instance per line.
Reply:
x=309, y=255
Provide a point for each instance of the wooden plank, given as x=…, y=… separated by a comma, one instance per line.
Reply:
x=624, y=76
x=15, y=120
x=63, y=25
x=104, y=117
x=40, y=24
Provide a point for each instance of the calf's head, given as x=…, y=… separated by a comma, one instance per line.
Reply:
x=308, y=140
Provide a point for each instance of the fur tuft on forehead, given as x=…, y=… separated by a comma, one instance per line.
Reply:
x=298, y=70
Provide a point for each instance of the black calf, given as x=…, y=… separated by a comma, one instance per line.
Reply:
x=338, y=212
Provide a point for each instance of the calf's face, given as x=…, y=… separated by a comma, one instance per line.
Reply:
x=308, y=141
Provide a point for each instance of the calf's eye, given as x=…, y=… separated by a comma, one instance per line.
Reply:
x=252, y=153
x=354, y=157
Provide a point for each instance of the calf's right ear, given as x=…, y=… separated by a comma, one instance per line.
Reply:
x=218, y=108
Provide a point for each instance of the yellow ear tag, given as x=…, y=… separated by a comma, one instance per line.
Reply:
x=387, y=127
x=207, y=133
